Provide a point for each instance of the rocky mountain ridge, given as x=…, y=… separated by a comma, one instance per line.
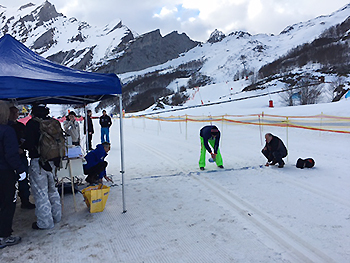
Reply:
x=150, y=64
x=79, y=45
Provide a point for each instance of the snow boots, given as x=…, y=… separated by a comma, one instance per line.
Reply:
x=9, y=241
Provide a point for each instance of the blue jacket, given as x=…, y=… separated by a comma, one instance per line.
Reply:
x=95, y=157
x=9, y=155
x=205, y=133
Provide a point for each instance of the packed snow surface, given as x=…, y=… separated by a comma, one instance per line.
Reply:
x=176, y=213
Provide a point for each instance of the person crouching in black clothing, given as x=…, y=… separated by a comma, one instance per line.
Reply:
x=274, y=150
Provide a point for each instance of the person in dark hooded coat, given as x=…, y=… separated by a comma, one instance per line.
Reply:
x=23, y=186
x=11, y=170
x=274, y=150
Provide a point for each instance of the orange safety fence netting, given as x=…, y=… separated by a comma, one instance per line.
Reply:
x=320, y=122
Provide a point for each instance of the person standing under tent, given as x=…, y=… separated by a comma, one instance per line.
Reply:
x=11, y=170
x=105, y=122
x=23, y=186
x=210, y=135
x=47, y=200
x=71, y=127
x=274, y=150
x=90, y=129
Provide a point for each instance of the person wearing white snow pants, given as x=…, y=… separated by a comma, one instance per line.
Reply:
x=47, y=200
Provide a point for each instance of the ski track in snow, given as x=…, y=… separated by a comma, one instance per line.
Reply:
x=177, y=213
x=300, y=249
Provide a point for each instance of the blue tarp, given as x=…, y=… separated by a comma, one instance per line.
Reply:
x=27, y=77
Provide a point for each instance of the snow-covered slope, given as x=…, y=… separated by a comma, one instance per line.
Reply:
x=241, y=51
x=229, y=59
x=83, y=46
x=47, y=32
x=114, y=47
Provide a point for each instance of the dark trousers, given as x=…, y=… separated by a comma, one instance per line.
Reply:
x=23, y=191
x=274, y=156
x=94, y=172
x=23, y=186
x=89, y=141
x=7, y=201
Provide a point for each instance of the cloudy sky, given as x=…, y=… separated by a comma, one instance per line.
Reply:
x=197, y=18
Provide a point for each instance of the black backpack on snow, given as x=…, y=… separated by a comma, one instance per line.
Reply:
x=305, y=163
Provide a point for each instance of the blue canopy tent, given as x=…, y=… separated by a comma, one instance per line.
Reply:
x=27, y=78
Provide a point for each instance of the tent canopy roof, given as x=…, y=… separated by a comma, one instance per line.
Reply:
x=27, y=78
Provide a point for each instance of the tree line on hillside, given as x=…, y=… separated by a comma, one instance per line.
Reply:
x=148, y=89
x=330, y=49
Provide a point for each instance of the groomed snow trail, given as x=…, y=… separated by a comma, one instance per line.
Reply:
x=175, y=213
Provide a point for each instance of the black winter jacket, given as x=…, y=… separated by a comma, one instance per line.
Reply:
x=105, y=121
x=90, y=125
x=20, y=132
x=9, y=156
x=276, y=145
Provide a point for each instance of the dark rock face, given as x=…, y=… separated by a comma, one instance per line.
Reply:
x=149, y=50
x=127, y=54
x=45, y=40
x=41, y=14
x=46, y=12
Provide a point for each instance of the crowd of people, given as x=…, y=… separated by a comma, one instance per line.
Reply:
x=18, y=142
x=38, y=176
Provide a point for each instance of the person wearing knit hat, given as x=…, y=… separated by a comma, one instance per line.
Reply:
x=210, y=135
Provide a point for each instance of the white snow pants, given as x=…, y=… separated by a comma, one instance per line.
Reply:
x=47, y=200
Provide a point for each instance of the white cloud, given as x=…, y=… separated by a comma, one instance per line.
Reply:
x=165, y=12
x=254, y=8
x=197, y=18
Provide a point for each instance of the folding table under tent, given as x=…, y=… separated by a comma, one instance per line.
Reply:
x=27, y=78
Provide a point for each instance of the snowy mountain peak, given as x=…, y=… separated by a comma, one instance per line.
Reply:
x=322, y=21
x=240, y=34
x=46, y=12
x=216, y=36
x=114, y=48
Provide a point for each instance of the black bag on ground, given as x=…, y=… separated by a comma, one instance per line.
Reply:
x=305, y=163
x=67, y=188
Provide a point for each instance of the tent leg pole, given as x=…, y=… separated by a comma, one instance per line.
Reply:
x=122, y=149
x=87, y=130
